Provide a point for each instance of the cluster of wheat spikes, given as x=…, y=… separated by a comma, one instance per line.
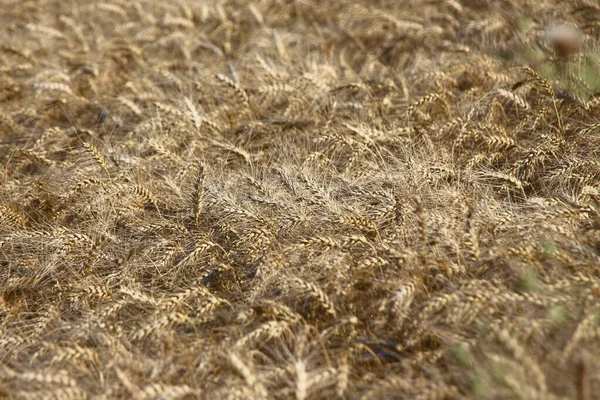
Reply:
x=298, y=199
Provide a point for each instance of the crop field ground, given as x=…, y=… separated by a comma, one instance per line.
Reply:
x=299, y=199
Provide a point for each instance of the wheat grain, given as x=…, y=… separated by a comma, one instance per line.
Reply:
x=298, y=199
x=315, y=292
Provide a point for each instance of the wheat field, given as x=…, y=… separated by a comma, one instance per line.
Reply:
x=299, y=199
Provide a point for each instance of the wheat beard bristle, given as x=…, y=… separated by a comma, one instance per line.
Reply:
x=299, y=199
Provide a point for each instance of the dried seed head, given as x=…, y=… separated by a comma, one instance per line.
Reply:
x=564, y=39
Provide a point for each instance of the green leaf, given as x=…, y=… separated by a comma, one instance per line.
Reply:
x=464, y=355
x=522, y=23
x=529, y=281
x=557, y=314
x=549, y=247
